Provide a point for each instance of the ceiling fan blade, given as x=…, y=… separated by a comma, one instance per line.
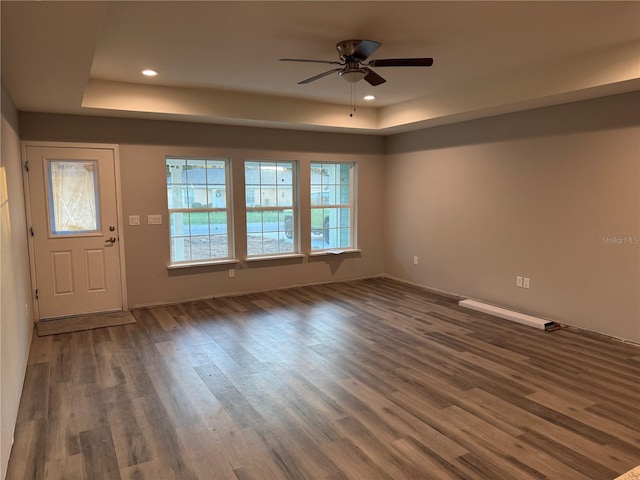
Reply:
x=373, y=78
x=402, y=62
x=317, y=77
x=365, y=48
x=309, y=61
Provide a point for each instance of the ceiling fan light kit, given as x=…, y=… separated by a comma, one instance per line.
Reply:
x=353, y=75
x=353, y=67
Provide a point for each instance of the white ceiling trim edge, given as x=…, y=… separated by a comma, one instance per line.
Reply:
x=593, y=74
x=218, y=106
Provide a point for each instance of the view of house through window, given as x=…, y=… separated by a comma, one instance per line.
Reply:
x=271, y=201
x=200, y=214
x=199, y=209
x=332, y=205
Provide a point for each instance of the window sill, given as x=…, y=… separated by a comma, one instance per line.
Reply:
x=209, y=263
x=334, y=251
x=274, y=257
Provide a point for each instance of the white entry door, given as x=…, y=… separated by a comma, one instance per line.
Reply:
x=74, y=228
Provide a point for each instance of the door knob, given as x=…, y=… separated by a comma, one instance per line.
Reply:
x=111, y=240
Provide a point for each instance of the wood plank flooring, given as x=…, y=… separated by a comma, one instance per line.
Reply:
x=368, y=380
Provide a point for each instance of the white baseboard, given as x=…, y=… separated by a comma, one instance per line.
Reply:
x=518, y=317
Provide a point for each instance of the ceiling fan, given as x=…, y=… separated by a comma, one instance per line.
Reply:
x=353, y=67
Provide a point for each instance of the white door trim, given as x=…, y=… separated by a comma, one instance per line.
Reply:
x=25, y=178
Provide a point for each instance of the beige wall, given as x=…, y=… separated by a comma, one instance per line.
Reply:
x=144, y=145
x=537, y=194
x=16, y=318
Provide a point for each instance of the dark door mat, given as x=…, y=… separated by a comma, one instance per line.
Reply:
x=84, y=322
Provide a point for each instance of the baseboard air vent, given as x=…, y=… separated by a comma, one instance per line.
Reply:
x=522, y=318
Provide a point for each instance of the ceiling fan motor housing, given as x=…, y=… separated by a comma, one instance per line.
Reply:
x=347, y=48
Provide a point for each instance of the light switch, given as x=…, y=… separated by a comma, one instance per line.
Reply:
x=134, y=219
x=154, y=219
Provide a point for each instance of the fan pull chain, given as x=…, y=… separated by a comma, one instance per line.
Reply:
x=353, y=99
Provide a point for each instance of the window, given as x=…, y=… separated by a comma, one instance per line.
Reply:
x=332, y=205
x=199, y=210
x=72, y=186
x=271, y=200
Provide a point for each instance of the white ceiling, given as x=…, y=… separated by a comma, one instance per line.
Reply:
x=218, y=61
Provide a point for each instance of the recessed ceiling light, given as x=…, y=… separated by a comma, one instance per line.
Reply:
x=149, y=73
x=369, y=98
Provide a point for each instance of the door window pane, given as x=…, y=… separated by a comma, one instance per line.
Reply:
x=73, y=196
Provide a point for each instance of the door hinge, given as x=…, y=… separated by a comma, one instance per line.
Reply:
x=37, y=294
x=26, y=165
x=31, y=231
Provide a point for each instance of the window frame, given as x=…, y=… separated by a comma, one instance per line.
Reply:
x=352, y=206
x=53, y=197
x=294, y=208
x=227, y=209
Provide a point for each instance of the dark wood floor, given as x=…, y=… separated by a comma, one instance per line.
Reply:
x=360, y=380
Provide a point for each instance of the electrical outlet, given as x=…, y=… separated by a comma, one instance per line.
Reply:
x=134, y=219
x=518, y=281
x=525, y=282
x=154, y=219
x=232, y=272
x=415, y=260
